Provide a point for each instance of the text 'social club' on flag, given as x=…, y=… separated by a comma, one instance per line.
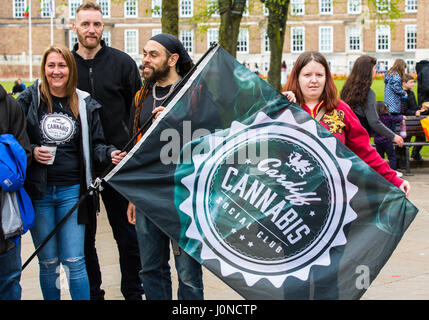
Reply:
x=259, y=193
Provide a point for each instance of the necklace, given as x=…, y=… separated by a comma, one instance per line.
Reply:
x=155, y=98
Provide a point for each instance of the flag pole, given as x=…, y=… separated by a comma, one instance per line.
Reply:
x=30, y=49
x=51, y=15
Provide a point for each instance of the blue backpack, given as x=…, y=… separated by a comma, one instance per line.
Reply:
x=13, y=165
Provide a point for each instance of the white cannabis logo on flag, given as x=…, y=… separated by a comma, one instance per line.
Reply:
x=274, y=217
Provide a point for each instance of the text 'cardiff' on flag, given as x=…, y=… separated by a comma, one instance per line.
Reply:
x=259, y=193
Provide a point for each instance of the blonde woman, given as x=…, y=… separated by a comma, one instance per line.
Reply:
x=60, y=115
x=393, y=91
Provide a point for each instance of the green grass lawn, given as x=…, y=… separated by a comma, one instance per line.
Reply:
x=377, y=86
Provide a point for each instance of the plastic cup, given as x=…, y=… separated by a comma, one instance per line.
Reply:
x=52, y=150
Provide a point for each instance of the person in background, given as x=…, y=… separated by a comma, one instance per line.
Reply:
x=18, y=87
x=357, y=93
x=311, y=85
x=422, y=69
x=393, y=91
x=55, y=185
x=283, y=75
x=384, y=145
x=13, y=122
x=410, y=107
x=112, y=78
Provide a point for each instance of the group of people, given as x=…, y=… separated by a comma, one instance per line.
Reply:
x=74, y=124
x=381, y=119
x=88, y=104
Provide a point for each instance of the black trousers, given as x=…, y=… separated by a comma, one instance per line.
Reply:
x=126, y=240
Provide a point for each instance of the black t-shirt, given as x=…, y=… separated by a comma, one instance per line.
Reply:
x=148, y=104
x=62, y=128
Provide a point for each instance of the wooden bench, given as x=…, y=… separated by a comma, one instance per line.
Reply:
x=414, y=128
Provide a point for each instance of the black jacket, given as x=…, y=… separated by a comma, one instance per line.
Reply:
x=409, y=106
x=422, y=68
x=93, y=148
x=12, y=120
x=112, y=78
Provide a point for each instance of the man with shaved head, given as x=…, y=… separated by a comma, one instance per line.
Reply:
x=112, y=78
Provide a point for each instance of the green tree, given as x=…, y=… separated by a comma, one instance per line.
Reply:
x=231, y=12
x=170, y=17
x=276, y=29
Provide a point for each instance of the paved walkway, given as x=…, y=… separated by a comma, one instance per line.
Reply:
x=405, y=276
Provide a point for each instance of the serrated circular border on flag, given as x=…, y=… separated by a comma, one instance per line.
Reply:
x=232, y=261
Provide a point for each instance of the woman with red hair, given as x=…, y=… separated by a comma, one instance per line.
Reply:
x=311, y=85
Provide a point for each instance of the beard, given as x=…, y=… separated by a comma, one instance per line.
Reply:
x=157, y=74
x=86, y=44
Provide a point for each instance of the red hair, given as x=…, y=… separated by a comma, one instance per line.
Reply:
x=329, y=94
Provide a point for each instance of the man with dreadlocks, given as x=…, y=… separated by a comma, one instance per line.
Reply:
x=165, y=62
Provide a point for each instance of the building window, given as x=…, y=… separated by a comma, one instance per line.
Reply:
x=156, y=31
x=156, y=8
x=73, y=5
x=246, y=9
x=243, y=41
x=185, y=8
x=130, y=9
x=326, y=39
x=410, y=5
x=131, y=41
x=411, y=66
x=266, y=67
x=107, y=38
x=354, y=38
x=265, y=10
x=383, y=38
x=354, y=6
x=213, y=8
x=72, y=39
x=105, y=7
x=350, y=66
x=47, y=8
x=212, y=36
x=297, y=39
x=265, y=42
x=19, y=7
x=325, y=6
x=382, y=6
x=382, y=66
x=297, y=7
x=410, y=37
x=187, y=38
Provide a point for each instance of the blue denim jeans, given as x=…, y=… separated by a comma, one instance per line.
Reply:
x=10, y=274
x=155, y=274
x=66, y=246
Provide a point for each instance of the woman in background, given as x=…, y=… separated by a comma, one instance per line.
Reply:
x=357, y=93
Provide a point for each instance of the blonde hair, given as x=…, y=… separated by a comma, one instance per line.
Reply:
x=399, y=67
x=45, y=94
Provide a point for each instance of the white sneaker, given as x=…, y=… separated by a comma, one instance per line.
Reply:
x=399, y=174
